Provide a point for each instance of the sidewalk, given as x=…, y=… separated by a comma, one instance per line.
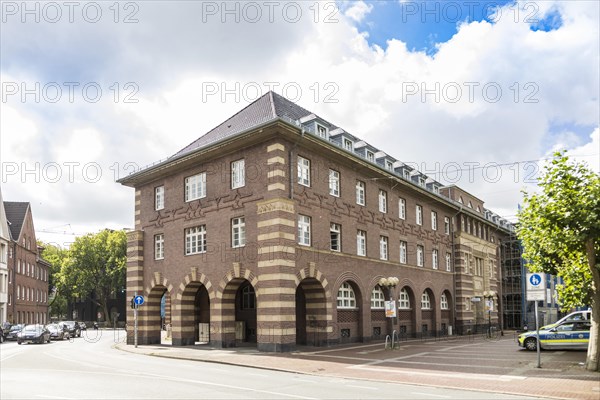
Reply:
x=561, y=375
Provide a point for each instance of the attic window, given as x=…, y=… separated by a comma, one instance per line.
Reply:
x=478, y=209
x=348, y=145
x=470, y=205
x=460, y=200
x=389, y=165
x=421, y=181
x=370, y=156
x=436, y=189
x=406, y=175
x=321, y=131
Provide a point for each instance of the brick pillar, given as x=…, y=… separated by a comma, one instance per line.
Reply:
x=276, y=296
x=135, y=275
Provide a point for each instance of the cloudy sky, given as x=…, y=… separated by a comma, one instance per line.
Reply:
x=473, y=93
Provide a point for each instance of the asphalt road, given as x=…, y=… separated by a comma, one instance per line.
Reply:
x=90, y=368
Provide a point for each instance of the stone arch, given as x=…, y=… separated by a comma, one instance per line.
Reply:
x=446, y=317
x=428, y=316
x=380, y=324
x=312, y=306
x=349, y=321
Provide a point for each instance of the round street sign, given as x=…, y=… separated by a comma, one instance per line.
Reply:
x=535, y=280
x=138, y=300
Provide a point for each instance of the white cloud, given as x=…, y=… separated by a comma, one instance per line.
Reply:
x=358, y=11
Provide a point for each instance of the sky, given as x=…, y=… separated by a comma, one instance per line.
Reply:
x=473, y=93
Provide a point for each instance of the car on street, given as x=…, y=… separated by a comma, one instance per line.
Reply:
x=34, y=334
x=58, y=332
x=585, y=315
x=73, y=327
x=13, y=332
x=567, y=335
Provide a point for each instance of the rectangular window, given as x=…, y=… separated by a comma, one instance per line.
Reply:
x=303, y=171
x=348, y=145
x=159, y=198
x=195, y=240
x=434, y=259
x=382, y=201
x=238, y=174
x=335, y=234
x=361, y=243
x=446, y=225
x=360, y=193
x=321, y=131
x=383, y=247
x=448, y=262
x=404, y=301
x=403, y=246
x=419, y=215
x=334, y=183
x=389, y=165
x=402, y=208
x=420, y=256
x=195, y=187
x=238, y=232
x=377, y=299
x=303, y=230
x=370, y=156
x=159, y=246
x=434, y=220
x=406, y=175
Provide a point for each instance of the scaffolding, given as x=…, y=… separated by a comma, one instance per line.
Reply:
x=513, y=290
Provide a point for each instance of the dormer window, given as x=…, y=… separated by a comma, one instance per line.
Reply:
x=348, y=144
x=389, y=165
x=478, y=209
x=460, y=200
x=436, y=189
x=321, y=131
x=406, y=175
x=370, y=156
x=421, y=181
x=470, y=205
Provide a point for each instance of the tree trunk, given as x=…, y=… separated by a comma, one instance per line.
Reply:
x=593, y=355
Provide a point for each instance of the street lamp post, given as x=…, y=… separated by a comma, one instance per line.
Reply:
x=489, y=304
x=390, y=283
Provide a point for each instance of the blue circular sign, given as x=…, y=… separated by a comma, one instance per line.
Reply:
x=535, y=280
x=139, y=300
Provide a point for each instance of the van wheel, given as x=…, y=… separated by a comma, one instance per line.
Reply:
x=530, y=344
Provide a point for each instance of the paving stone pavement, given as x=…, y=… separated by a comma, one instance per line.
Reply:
x=472, y=363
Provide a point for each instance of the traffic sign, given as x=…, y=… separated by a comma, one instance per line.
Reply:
x=536, y=286
x=138, y=300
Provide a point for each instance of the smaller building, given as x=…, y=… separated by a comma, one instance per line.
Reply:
x=28, y=272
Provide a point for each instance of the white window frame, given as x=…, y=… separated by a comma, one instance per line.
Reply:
x=195, y=240
x=420, y=255
x=444, y=302
x=382, y=201
x=448, y=262
x=404, y=300
x=321, y=130
x=401, y=208
x=195, y=187
x=348, y=144
x=360, y=193
x=389, y=165
x=377, y=298
x=303, y=171
x=425, y=301
x=335, y=234
x=159, y=246
x=334, y=183
x=383, y=248
x=403, y=251
x=370, y=156
x=238, y=232
x=159, y=198
x=304, y=230
x=435, y=259
x=419, y=214
x=361, y=243
x=346, y=299
x=434, y=220
x=447, y=225
x=238, y=174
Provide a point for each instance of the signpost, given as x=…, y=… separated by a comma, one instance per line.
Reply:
x=536, y=291
x=136, y=302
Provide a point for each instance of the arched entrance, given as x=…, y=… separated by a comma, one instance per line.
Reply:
x=311, y=313
x=446, y=307
x=149, y=317
x=193, y=316
x=428, y=307
x=407, y=312
x=349, y=312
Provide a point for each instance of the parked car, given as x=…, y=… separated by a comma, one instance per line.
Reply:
x=34, y=334
x=58, y=332
x=585, y=315
x=73, y=327
x=14, y=331
x=567, y=335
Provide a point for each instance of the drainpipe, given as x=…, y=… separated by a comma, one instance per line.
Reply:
x=290, y=154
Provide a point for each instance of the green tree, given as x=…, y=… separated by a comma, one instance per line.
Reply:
x=560, y=231
x=96, y=263
x=58, y=294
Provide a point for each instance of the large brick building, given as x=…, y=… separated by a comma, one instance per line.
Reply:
x=4, y=245
x=276, y=227
x=28, y=272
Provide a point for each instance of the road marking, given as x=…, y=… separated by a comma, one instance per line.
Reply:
x=444, y=374
x=431, y=394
